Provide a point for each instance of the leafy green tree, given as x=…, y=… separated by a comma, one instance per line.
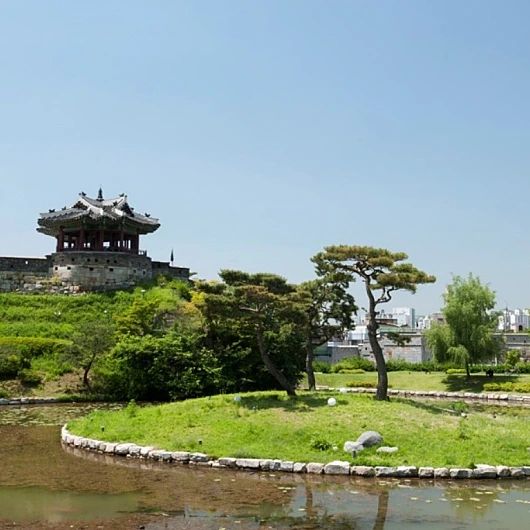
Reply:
x=329, y=310
x=92, y=339
x=512, y=358
x=382, y=272
x=161, y=368
x=467, y=335
x=263, y=308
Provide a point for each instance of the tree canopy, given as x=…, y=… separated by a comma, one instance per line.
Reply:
x=382, y=272
x=467, y=335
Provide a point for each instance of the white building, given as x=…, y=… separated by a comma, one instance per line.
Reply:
x=514, y=320
x=405, y=316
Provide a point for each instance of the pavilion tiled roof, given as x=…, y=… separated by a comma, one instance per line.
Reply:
x=92, y=212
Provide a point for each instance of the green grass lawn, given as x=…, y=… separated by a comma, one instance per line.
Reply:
x=420, y=380
x=270, y=425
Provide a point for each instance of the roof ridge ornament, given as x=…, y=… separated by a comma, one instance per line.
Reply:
x=100, y=194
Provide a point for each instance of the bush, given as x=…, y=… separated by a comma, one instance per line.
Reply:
x=351, y=371
x=322, y=367
x=353, y=363
x=362, y=384
x=454, y=371
x=508, y=387
x=29, y=378
x=33, y=346
x=10, y=365
x=398, y=365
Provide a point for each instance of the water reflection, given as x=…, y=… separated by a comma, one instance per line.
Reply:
x=41, y=482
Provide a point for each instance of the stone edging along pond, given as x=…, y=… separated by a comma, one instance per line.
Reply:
x=337, y=467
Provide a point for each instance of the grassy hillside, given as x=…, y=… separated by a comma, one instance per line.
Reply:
x=37, y=330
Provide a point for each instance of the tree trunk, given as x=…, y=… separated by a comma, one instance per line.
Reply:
x=468, y=373
x=372, y=327
x=88, y=366
x=311, y=382
x=271, y=367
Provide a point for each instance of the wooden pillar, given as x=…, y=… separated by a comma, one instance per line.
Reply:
x=101, y=239
x=60, y=240
x=121, y=239
x=82, y=239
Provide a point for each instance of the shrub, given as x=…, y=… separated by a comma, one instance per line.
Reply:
x=399, y=365
x=10, y=365
x=351, y=371
x=454, y=371
x=353, y=363
x=29, y=378
x=33, y=346
x=363, y=384
x=508, y=387
x=321, y=366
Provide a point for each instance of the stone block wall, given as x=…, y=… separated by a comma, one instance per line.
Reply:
x=163, y=267
x=100, y=270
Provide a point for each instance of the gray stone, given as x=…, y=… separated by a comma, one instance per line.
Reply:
x=353, y=447
x=134, y=450
x=122, y=449
x=516, y=472
x=384, y=471
x=386, y=449
x=363, y=471
x=460, y=472
x=198, y=457
x=526, y=470
x=426, y=472
x=315, y=467
x=109, y=448
x=337, y=467
x=441, y=472
x=248, y=463
x=299, y=467
x=407, y=471
x=155, y=454
x=181, y=456
x=484, y=471
x=164, y=456
x=266, y=465
x=370, y=438
x=144, y=451
x=503, y=471
x=226, y=461
x=287, y=466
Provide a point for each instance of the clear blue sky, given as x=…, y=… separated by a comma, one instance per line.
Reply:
x=261, y=131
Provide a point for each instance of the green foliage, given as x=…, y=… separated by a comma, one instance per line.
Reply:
x=159, y=369
x=398, y=365
x=467, y=337
x=512, y=357
x=382, y=272
x=29, y=378
x=52, y=366
x=452, y=371
x=353, y=363
x=362, y=384
x=320, y=443
x=322, y=367
x=11, y=365
x=508, y=387
x=261, y=316
x=32, y=346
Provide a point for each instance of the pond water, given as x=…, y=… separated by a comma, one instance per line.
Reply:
x=45, y=486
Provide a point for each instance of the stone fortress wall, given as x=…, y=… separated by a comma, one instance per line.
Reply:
x=82, y=271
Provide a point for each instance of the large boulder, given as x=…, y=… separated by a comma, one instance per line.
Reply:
x=370, y=438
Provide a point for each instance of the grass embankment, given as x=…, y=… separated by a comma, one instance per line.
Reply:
x=439, y=381
x=55, y=317
x=270, y=425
